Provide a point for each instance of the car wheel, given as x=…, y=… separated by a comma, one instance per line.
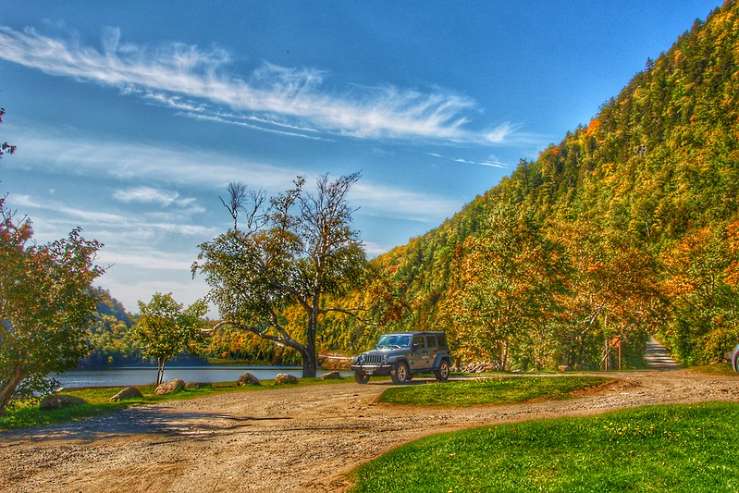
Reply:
x=442, y=374
x=361, y=377
x=736, y=363
x=401, y=373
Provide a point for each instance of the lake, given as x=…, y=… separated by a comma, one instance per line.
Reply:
x=119, y=377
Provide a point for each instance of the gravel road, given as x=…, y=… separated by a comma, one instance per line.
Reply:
x=287, y=440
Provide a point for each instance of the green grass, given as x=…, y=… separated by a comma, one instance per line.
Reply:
x=677, y=448
x=489, y=391
x=28, y=414
x=716, y=369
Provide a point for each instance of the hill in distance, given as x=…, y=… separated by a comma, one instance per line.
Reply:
x=628, y=226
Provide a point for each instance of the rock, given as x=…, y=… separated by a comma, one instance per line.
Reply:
x=196, y=385
x=169, y=387
x=332, y=375
x=248, y=379
x=57, y=401
x=127, y=393
x=564, y=368
x=283, y=378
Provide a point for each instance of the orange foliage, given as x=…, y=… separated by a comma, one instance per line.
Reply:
x=593, y=127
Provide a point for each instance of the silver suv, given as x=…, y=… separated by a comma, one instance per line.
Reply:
x=403, y=354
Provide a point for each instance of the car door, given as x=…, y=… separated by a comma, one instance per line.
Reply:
x=419, y=353
x=431, y=348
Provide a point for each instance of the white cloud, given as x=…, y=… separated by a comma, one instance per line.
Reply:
x=220, y=119
x=490, y=162
x=92, y=220
x=129, y=292
x=151, y=195
x=146, y=195
x=374, y=249
x=148, y=260
x=186, y=77
x=209, y=170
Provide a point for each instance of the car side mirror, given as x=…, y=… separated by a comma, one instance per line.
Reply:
x=415, y=346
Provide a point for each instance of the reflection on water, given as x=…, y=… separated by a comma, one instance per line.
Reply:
x=141, y=376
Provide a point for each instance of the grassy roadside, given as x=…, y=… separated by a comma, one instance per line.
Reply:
x=26, y=415
x=716, y=369
x=500, y=390
x=675, y=448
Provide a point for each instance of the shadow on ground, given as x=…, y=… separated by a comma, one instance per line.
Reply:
x=154, y=420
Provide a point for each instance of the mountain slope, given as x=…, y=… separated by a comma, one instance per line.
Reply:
x=653, y=180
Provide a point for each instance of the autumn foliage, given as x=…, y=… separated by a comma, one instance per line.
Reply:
x=45, y=305
x=628, y=227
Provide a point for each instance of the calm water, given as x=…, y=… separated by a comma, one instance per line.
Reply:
x=142, y=376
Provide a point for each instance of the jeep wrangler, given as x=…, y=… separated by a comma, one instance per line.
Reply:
x=404, y=354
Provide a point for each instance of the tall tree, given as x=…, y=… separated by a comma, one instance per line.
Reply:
x=46, y=303
x=299, y=250
x=509, y=281
x=166, y=328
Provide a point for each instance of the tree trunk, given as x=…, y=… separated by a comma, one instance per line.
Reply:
x=310, y=359
x=6, y=393
x=160, y=371
x=310, y=362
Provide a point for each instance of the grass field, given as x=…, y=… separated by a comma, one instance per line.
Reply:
x=28, y=414
x=489, y=391
x=677, y=448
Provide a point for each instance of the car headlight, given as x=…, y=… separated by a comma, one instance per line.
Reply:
x=358, y=360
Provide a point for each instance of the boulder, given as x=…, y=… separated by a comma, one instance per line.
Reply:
x=283, y=378
x=248, y=379
x=197, y=385
x=169, y=387
x=332, y=375
x=127, y=393
x=58, y=401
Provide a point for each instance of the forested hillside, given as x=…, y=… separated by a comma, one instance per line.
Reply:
x=628, y=226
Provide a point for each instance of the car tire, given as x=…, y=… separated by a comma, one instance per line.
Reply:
x=736, y=363
x=401, y=373
x=361, y=377
x=442, y=373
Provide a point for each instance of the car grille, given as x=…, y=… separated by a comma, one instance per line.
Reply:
x=373, y=359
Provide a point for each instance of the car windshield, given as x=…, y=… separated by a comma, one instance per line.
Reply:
x=394, y=340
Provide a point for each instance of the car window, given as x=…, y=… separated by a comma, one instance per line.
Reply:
x=392, y=340
x=420, y=340
x=430, y=342
x=442, y=340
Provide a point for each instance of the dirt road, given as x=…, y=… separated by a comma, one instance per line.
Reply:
x=301, y=439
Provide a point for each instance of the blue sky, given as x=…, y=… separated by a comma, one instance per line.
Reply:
x=131, y=119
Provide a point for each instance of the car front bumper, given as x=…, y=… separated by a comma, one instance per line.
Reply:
x=383, y=369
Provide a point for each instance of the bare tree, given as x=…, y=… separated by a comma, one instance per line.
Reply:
x=235, y=202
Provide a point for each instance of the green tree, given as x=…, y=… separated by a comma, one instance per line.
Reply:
x=507, y=289
x=166, y=328
x=46, y=304
x=298, y=250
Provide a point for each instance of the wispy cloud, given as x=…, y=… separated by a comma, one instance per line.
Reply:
x=220, y=119
x=95, y=219
x=151, y=195
x=490, y=162
x=205, y=169
x=187, y=78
